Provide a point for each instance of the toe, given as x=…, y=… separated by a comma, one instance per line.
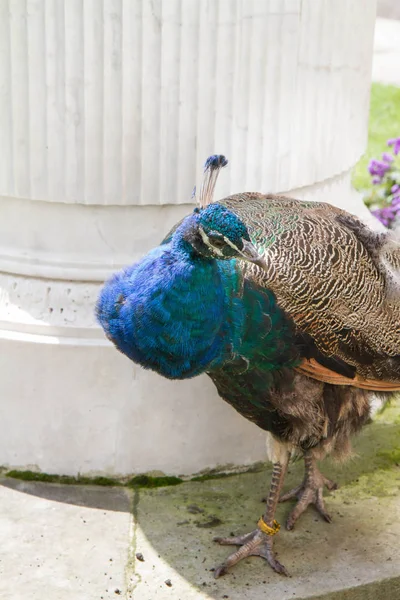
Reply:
x=331, y=485
x=279, y=568
x=305, y=500
x=291, y=494
x=235, y=557
x=238, y=540
x=326, y=516
x=267, y=553
x=320, y=506
x=290, y=523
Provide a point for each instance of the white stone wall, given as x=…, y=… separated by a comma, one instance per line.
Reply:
x=107, y=112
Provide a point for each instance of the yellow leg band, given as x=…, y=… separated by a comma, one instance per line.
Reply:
x=266, y=528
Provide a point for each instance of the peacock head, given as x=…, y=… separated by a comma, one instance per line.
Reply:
x=215, y=232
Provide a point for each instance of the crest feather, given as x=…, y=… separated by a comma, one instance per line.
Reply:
x=212, y=167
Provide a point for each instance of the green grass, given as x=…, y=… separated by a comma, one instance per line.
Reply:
x=384, y=123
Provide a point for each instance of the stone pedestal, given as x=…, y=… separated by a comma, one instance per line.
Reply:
x=107, y=113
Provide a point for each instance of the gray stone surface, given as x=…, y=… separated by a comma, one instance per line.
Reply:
x=62, y=542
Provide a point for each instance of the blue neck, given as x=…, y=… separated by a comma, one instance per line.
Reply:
x=172, y=311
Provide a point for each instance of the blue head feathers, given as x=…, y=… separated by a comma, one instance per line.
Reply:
x=212, y=232
x=220, y=221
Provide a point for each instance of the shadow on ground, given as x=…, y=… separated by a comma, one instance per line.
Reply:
x=104, y=498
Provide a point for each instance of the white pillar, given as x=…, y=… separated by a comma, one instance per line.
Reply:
x=107, y=112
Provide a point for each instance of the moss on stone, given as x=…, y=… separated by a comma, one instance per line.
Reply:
x=139, y=481
x=392, y=456
x=228, y=471
x=100, y=480
x=30, y=476
x=209, y=476
x=65, y=479
x=146, y=481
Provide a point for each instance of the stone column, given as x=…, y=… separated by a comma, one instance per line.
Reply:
x=107, y=112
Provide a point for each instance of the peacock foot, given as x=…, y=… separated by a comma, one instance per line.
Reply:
x=256, y=543
x=309, y=492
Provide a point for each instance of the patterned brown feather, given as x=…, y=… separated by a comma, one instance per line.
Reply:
x=328, y=273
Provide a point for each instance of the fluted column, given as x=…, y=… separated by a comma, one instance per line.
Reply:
x=107, y=111
x=118, y=102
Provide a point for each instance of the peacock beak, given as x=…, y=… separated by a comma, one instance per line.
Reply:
x=250, y=253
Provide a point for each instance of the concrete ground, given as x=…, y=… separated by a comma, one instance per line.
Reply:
x=63, y=542
x=69, y=542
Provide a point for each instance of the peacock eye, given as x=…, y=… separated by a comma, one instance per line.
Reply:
x=218, y=242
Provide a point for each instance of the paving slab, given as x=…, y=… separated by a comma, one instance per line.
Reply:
x=63, y=542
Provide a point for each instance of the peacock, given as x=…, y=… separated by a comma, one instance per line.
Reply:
x=292, y=308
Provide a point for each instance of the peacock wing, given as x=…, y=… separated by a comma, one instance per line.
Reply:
x=326, y=278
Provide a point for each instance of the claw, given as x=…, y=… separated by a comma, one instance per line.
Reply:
x=255, y=543
x=320, y=506
x=306, y=494
x=221, y=570
x=330, y=485
x=310, y=491
x=306, y=497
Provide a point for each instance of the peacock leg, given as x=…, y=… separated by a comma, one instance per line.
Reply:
x=260, y=541
x=309, y=492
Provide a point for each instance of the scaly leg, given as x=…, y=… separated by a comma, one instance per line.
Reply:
x=260, y=541
x=309, y=492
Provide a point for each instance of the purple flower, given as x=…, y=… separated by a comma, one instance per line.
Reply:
x=387, y=158
x=385, y=215
x=386, y=173
x=377, y=167
x=378, y=213
x=396, y=202
x=395, y=142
